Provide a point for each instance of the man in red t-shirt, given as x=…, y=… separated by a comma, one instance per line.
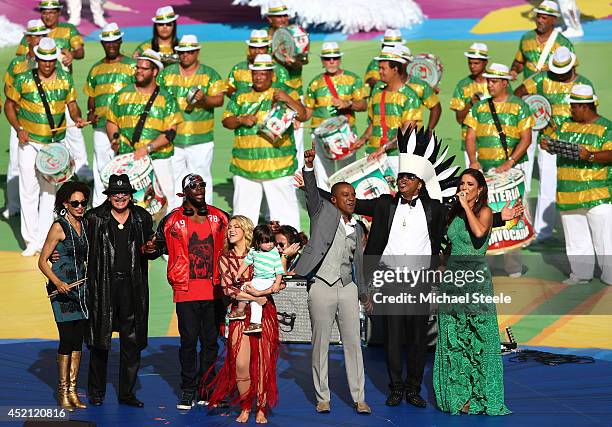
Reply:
x=192, y=235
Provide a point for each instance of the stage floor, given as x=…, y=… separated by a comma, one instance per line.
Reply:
x=564, y=395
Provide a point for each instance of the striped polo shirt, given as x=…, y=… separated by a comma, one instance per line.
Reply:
x=399, y=108
x=557, y=94
x=241, y=79
x=125, y=110
x=19, y=64
x=253, y=156
x=582, y=184
x=462, y=95
x=198, y=123
x=66, y=36
x=349, y=87
x=104, y=81
x=266, y=265
x=514, y=116
x=31, y=114
x=530, y=49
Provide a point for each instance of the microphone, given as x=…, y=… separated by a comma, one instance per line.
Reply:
x=454, y=199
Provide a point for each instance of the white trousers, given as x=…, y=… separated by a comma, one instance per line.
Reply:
x=78, y=151
x=74, y=10
x=103, y=153
x=165, y=177
x=12, y=174
x=588, y=233
x=192, y=159
x=571, y=14
x=280, y=195
x=37, y=197
x=260, y=284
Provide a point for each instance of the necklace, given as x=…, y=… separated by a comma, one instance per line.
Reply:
x=120, y=226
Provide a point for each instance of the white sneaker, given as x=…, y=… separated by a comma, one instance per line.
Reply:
x=575, y=281
x=515, y=275
x=30, y=250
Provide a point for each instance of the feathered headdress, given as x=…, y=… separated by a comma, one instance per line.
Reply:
x=418, y=155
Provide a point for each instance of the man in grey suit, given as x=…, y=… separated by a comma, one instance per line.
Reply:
x=333, y=260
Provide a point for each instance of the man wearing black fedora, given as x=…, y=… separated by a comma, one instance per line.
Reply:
x=121, y=243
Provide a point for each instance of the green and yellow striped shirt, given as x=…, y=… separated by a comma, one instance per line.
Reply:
x=66, y=36
x=582, y=184
x=31, y=114
x=529, y=51
x=399, y=108
x=253, y=156
x=557, y=94
x=125, y=110
x=462, y=95
x=198, y=123
x=104, y=81
x=318, y=96
x=164, y=50
x=372, y=71
x=514, y=117
x=240, y=78
x=19, y=64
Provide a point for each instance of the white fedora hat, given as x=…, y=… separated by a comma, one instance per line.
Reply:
x=46, y=50
x=152, y=56
x=188, y=43
x=36, y=27
x=582, y=94
x=562, y=60
x=548, y=7
x=263, y=61
x=164, y=14
x=497, y=71
x=477, y=51
x=392, y=36
x=110, y=33
x=259, y=38
x=330, y=50
x=391, y=53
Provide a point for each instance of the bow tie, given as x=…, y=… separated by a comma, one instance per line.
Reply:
x=412, y=202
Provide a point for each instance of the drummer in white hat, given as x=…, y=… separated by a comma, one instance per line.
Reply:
x=336, y=92
x=554, y=86
x=390, y=39
x=492, y=151
x=257, y=164
x=35, y=130
x=427, y=94
x=239, y=77
x=584, y=201
x=471, y=89
x=277, y=15
x=199, y=89
x=537, y=45
x=165, y=36
x=107, y=77
x=35, y=30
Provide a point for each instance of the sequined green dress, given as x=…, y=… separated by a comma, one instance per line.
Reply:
x=468, y=365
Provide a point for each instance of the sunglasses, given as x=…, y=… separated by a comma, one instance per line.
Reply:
x=77, y=203
x=196, y=185
x=280, y=244
x=165, y=24
x=330, y=59
x=408, y=176
x=119, y=195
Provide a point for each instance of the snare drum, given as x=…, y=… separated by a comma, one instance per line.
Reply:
x=426, y=66
x=293, y=42
x=55, y=164
x=142, y=177
x=370, y=179
x=336, y=137
x=503, y=187
x=276, y=123
x=541, y=110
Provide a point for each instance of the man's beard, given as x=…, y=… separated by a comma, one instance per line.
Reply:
x=144, y=82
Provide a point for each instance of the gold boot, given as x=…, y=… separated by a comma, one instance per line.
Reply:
x=75, y=362
x=63, y=366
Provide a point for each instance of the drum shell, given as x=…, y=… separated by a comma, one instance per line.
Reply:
x=55, y=163
x=336, y=136
x=541, y=110
x=276, y=123
x=370, y=179
x=427, y=67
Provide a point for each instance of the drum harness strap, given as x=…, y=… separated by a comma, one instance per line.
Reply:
x=143, y=117
x=330, y=85
x=45, y=101
x=500, y=131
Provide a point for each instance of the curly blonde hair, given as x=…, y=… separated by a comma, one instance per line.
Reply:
x=246, y=225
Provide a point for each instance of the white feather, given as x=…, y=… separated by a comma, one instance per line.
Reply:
x=412, y=141
x=350, y=16
x=451, y=191
x=448, y=172
x=11, y=32
x=430, y=147
x=441, y=158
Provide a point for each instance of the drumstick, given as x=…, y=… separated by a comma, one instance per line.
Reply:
x=70, y=286
x=68, y=126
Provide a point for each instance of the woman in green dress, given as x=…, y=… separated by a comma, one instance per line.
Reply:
x=468, y=371
x=68, y=239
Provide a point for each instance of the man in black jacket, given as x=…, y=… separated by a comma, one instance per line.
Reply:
x=120, y=235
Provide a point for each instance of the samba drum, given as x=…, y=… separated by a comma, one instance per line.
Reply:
x=54, y=163
x=541, y=110
x=426, y=66
x=336, y=137
x=142, y=177
x=277, y=121
x=370, y=179
x=291, y=42
x=503, y=187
